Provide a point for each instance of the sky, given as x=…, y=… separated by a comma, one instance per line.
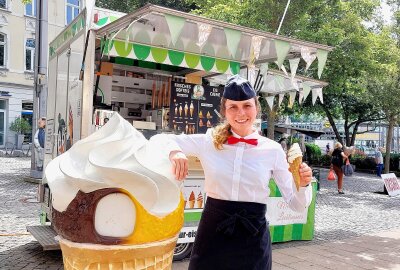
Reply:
x=387, y=13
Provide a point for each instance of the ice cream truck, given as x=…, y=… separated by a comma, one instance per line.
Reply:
x=162, y=70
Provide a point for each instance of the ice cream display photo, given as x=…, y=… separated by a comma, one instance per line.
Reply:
x=116, y=203
x=295, y=158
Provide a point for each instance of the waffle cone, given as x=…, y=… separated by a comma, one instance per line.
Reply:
x=191, y=204
x=152, y=256
x=294, y=169
x=199, y=203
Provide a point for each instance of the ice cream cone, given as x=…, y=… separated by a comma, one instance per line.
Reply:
x=191, y=204
x=295, y=158
x=199, y=200
x=156, y=255
x=294, y=169
x=191, y=109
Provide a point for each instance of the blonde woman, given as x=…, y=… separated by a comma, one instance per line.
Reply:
x=337, y=162
x=238, y=163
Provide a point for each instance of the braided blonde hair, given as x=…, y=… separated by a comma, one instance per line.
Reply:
x=222, y=132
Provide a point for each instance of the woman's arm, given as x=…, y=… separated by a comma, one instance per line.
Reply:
x=178, y=147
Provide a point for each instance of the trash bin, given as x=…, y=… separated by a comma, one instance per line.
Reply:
x=316, y=174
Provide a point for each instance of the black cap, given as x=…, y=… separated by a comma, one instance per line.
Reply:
x=238, y=89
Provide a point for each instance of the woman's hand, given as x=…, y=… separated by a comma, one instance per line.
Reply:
x=305, y=175
x=179, y=165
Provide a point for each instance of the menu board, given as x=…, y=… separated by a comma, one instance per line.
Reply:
x=194, y=107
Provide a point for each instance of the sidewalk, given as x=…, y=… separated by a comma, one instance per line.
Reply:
x=348, y=228
x=375, y=251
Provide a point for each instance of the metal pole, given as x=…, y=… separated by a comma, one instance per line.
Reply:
x=283, y=17
x=40, y=75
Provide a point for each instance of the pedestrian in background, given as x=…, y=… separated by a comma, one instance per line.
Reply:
x=38, y=142
x=379, y=161
x=327, y=149
x=337, y=161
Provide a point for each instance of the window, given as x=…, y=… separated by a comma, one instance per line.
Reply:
x=30, y=8
x=3, y=47
x=72, y=10
x=3, y=4
x=29, y=54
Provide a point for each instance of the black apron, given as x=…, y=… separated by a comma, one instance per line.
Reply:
x=232, y=235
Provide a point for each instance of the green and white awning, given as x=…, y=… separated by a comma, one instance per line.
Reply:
x=170, y=57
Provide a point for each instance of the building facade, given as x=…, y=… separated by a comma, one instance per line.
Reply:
x=17, y=56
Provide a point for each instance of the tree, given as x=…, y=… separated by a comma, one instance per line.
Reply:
x=387, y=89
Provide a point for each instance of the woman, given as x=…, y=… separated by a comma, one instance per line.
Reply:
x=337, y=162
x=238, y=163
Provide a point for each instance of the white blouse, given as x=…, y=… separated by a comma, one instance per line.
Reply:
x=241, y=172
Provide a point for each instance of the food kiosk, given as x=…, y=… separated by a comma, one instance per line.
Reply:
x=162, y=70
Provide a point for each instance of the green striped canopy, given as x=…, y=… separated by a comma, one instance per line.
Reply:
x=170, y=57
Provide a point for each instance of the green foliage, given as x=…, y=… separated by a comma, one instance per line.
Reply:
x=20, y=126
x=313, y=153
x=363, y=163
x=324, y=160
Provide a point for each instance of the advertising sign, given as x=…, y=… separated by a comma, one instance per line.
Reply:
x=392, y=184
x=194, y=108
x=279, y=213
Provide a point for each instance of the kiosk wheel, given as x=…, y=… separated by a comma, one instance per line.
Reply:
x=182, y=251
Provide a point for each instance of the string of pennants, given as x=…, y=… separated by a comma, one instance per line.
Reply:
x=271, y=84
x=233, y=37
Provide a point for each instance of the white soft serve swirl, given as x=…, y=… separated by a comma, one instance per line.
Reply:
x=116, y=156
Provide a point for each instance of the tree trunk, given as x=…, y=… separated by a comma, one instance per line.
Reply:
x=353, y=136
x=389, y=137
x=332, y=122
x=271, y=123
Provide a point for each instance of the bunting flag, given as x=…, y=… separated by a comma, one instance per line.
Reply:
x=306, y=90
x=204, y=33
x=292, y=97
x=320, y=95
x=89, y=4
x=175, y=25
x=301, y=97
x=322, y=56
x=270, y=101
x=252, y=74
x=264, y=69
x=255, y=49
x=280, y=99
x=127, y=34
x=232, y=40
x=294, y=63
x=308, y=56
x=317, y=92
x=282, y=49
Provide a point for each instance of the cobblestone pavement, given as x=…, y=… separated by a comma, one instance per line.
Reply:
x=362, y=210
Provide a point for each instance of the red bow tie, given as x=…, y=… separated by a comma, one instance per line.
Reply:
x=233, y=140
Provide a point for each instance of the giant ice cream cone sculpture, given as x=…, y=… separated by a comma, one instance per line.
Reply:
x=295, y=158
x=116, y=204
